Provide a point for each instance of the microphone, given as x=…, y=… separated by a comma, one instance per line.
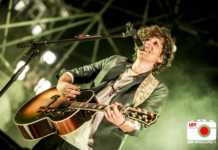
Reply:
x=131, y=31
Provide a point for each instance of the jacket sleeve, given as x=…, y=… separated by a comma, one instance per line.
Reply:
x=87, y=73
x=153, y=103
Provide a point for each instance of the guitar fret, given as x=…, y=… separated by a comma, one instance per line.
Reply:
x=100, y=107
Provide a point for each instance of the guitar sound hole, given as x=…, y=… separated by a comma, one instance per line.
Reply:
x=63, y=111
x=55, y=97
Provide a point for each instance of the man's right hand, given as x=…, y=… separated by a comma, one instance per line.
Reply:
x=66, y=87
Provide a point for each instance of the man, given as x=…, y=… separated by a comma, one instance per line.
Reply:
x=119, y=82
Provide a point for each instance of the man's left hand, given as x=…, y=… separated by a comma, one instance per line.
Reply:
x=113, y=114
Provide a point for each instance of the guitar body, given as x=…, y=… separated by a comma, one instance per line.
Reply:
x=34, y=123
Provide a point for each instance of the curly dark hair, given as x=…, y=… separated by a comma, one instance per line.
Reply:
x=169, y=47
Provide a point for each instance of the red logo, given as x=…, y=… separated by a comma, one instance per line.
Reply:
x=204, y=131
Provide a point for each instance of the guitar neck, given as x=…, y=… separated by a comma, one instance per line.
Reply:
x=140, y=115
x=87, y=106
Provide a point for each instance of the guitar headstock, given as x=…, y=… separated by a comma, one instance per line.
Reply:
x=141, y=115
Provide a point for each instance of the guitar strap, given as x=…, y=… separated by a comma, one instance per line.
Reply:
x=145, y=89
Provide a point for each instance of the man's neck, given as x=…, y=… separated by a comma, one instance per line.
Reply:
x=140, y=67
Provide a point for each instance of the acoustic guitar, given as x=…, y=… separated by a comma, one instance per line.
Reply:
x=49, y=113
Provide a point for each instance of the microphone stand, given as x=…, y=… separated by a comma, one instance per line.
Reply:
x=30, y=54
x=36, y=46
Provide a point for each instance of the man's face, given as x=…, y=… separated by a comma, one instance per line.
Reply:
x=152, y=51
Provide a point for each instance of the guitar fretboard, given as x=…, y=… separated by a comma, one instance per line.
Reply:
x=138, y=114
x=88, y=106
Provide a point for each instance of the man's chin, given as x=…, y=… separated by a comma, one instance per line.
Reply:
x=144, y=58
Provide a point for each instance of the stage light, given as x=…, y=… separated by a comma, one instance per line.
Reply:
x=37, y=29
x=21, y=5
x=64, y=13
x=26, y=69
x=42, y=85
x=48, y=57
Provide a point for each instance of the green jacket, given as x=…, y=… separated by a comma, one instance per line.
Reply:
x=108, y=136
